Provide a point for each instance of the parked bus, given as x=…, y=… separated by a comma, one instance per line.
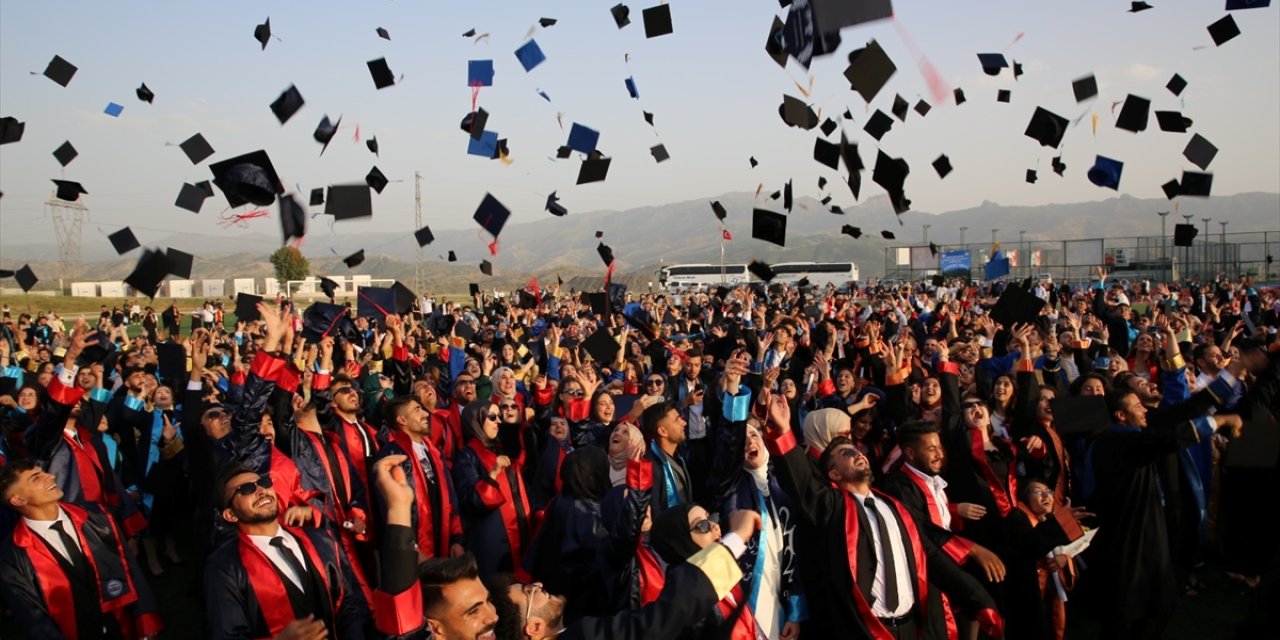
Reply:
x=820, y=274
x=696, y=276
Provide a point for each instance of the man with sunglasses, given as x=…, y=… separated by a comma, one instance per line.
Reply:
x=274, y=580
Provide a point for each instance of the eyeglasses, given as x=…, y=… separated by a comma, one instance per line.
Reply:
x=577, y=393
x=249, y=488
x=702, y=526
x=460, y=383
x=508, y=405
x=1040, y=493
x=344, y=390
x=214, y=414
x=529, y=590
x=970, y=404
x=493, y=417
x=655, y=382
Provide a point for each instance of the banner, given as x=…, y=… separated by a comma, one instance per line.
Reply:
x=956, y=262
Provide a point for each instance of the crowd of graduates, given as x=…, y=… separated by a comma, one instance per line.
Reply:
x=939, y=460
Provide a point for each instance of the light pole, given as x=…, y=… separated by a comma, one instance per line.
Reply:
x=962, y=230
x=1222, y=245
x=993, y=237
x=1186, y=251
x=1163, y=234
x=1207, y=242
x=926, y=233
x=1023, y=258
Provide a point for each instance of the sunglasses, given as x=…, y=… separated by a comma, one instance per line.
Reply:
x=493, y=417
x=577, y=393
x=214, y=414
x=702, y=526
x=249, y=488
x=970, y=404
x=656, y=382
x=508, y=405
x=344, y=390
x=460, y=383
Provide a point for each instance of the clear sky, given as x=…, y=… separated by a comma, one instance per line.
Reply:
x=713, y=90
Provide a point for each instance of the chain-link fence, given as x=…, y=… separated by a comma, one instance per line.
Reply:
x=1228, y=254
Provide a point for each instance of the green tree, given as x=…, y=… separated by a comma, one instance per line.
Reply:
x=290, y=265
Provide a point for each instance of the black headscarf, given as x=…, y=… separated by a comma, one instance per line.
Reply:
x=473, y=417
x=670, y=536
x=585, y=474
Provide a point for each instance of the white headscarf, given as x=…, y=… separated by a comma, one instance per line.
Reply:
x=822, y=426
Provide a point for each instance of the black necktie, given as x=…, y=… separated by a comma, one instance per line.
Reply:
x=335, y=471
x=72, y=550
x=886, y=553
x=292, y=560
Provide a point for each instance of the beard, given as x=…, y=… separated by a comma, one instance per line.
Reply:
x=862, y=475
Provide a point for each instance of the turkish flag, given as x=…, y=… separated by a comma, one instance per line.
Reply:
x=724, y=233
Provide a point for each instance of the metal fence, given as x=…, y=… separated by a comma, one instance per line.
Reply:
x=1228, y=254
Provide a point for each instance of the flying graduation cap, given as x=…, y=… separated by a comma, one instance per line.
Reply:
x=325, y=131
x=293, y=218
x=657, y=21
x=354, y=260
x=250, y=178
x=381, y=72
x=1046, y=127
x=769, y=226
x=424, y=236
x=196, y=148
x=289, y=102
x=65, y=153
x=60, y=71
x=123, y=241
x=376, y=180
x=262, y=33
x=192, y=196
x=1106, y=172
x=26, y=278
x=11, y=130
x=150, y=270
x=144, y=94
x=1184, y=234
x=530, y=55
x=554, y=206
x=491, y=215
x=68, y=190
x=869, y=69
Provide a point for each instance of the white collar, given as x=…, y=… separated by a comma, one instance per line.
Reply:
x=936, y=482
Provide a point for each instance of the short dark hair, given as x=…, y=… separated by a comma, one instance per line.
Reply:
x=910, y=433
x=652, y=417
x=344, y=378
x=10, y=473
x=1115, y=399
x=393, y=408
x=510, y=618
x=225, y=474
x=824, y=461
x=438, y=573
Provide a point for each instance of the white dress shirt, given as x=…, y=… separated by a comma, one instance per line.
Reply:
x=897, y=546
x=277, y=558
x=44, y=529
x=937, y=487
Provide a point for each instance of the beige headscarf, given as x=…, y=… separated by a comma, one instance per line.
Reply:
x=822, y=426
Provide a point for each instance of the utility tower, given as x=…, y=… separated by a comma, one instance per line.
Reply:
x=68, y=220
x=417, y=224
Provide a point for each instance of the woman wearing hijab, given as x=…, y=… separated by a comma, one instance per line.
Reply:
x=823, y=426
x=505, y=387
x=625, y=443
x=491, y=493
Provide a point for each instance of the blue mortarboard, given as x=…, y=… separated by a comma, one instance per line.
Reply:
x=491, y=215
x=1106, y=172
x=583, y=139
x=486, y=146
x=114, y=110
x=375, y=302
x=631, y=88
x=479, y=73
x=529, y=55
x=996, y=268
x=544, y=95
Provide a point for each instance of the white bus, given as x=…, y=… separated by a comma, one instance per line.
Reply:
x=820, y=274
x=696, y=276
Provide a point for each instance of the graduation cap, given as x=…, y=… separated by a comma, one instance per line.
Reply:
x=382, y=76
x=11, y=130
x=150, y=270
x=1016, y=306
x=851, y=231
x=1200, y=151
x=113, y=109
x=192, y=196
x=554, y=206
x=769, y=226
x=718, y=210
x=890, y=173
x=1173, y=121
x=992, y=63
x=888, y=235
x=583, y=139
x=606, y=253
x=424, y=236
x=601, y=346
x=827, y=153
x=480, y=73
x=942, y=165
x=60, y=71
x=250, y=178
x=959, y=96
x=900, y=108
x=329, y=287
x=657, y=21
x=1138, y=7
x=933, y=249
x=563, y=152
x=123, y=241
x=828, y=126
x=404, y=297
x=262, y=33
x=530, y=55
x=761, y=270
x=491, y=215
x=287, y=104
x=1085, y=88
x=546, y=22
x=1106, y=172
x=247, y=307
x=1221, y=31
x=822, y=184
x=68, y=190
x=648, y=117
x=293, y=218
x=594, y=169
x=1058, y=166
x=145, y=94
x=922, y=108
x=659, y=152
x=473, y=289
x=1031, y=176
x=878, y=125
x=26, y=278
x=1183, y=234
x=786, y=196
x=621, y=15
x=383, y=33
x=1080, y=415
x=1196, y=184
x=196, y=148
x=376, y=180
x=1046, y=127
x=485, y=144
x=1003, y=95
x=486, y=267
x=354, y=260
x=372, y=144
x=346, y=201
x=632, y=91
x=753, y=162
x=469, y=33
x=325, y=131
x=869, y=69
x=181, y=262
x=1176, y=84
x=65, y=153
x=452, y=257
x=464, y=330
x=1172, y=189
x=1134, y=114
x=322, y=319
x=375, y=302
x=1017, y=69
x=317, y=196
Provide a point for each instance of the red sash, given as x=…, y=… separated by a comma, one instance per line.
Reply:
x=877, y=628
x=353, y=438
x=88, y=466
x=267, y=585
x=651, y=577
x=431, y=544
x=1002, y=497
x=744, y=624
x=508, y=496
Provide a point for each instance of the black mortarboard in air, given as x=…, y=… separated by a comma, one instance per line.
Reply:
x=262, y=33
x=648, y=117
x=123, y=241
x=1176, y=84
x=1134, y=114
x=769, y=226
x=60, y=71
x=605, y=252
x=375, y=302
x=1138, y=7
x=829, y=127
x=382, y=76
x=1171, y=189
x=1046, y=127
x=546, y=22
x=376, y=180
x=293, y=217
x=900, y=108
x=659, y=152
x=827, y=153
x=491, y=215
x=835, y=208
x=933, y=249
x=287, y=104
x=354, y=260
x=317, y=196
x=869, y=69
x=1085, y=88
x=325, y=131
x=890, y=173
x=959, y=95
x=469, y=33
x=65, y=153
x=601, y=346
x=1183, y=234
x=621, y=15
x=888, y=235
x=150, y=270
x=753, y=162
x=992, y=63
x=718, y=210
x=196, y=148
x=453, y=257
x=250, y=178
x=1016, y=305
x=796, y=113
x=1173, y=121
x=1058, y=165
x=822, y=184
x=145, y=94
x=473, y=123
x=1017, y=69
x=181, y=262
x=852, y=164
x=594, y=169
x=473, y=289
x=761, y=270
x=786, y=196
x=346, y=201
x=1221, y=32
x=657, y=21
x=11, y=130
x=773, y=44
x=1195, y=184
x=247, y=307
x=554, y=206
x=424, y=236
x=322, y=319
x=1200, y=151
x=26, y=278
x=1031, y=176
x=1004, y=95
x=942, y=165
x=329, y=287
x=1106, y=172
x=922, y=108
x=878, y=125
x=383, y=33
x=486, y=267
x=851, y=231
x=192, y=197
x=563, y=152
x=372, y=144
x=68, y=190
